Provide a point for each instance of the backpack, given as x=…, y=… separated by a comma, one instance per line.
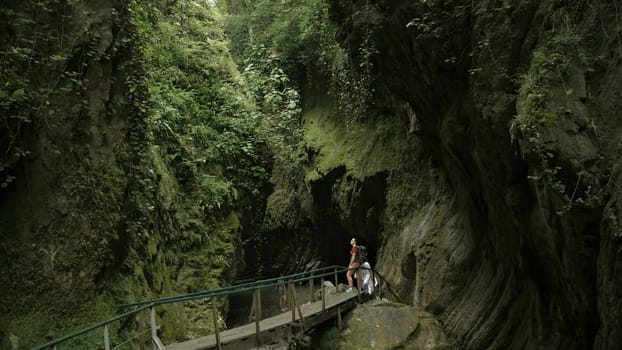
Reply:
x=362, y=254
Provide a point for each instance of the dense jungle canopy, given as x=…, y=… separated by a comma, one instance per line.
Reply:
x=156, y=148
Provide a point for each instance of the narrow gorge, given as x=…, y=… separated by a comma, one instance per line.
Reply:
x=152, y=149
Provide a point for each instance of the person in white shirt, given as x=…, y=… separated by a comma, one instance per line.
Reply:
x=367, y=286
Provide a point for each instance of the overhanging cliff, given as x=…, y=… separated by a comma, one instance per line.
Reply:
x=515, y=104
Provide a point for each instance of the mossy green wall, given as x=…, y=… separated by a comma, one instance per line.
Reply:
x=136, y=183
x=363, y=147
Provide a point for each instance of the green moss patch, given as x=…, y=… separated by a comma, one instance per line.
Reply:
x=364, y=148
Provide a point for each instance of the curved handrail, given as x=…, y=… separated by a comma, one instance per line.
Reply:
x=388, y=285
x=297, y=277
x=90, y=328
x=143, y=305
x=250, y=286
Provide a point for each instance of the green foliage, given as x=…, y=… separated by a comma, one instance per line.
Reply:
x=30, y=330
x=363, y=148
x=548, y=68
x=301, y=43
x=540, y=110
x=278, y=102
x=195, y=160
x=33, y=50
x=295, y=36
x=350, y=71
x=206, y=138
x=98, y=189
x=51, y=273
x=442, y=19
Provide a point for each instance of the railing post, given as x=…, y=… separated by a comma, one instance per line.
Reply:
x=181, y=314
x=339, y=317
x=259, y=316
x=154, y=330
x=252, y=315
x=141, y=328
x=300, y=324
x=292, y=301
x=106, y=338
x=373, y=281
x=257, y=303
x=215, y=317
x=311, y=288
x=322, y=293
x=336, y=283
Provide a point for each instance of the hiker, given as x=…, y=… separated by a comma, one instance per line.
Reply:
x=282, y=292
x=353, y=265
x=367, y=286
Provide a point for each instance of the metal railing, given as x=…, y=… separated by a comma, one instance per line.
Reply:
x=211, y=295
x=106, y=336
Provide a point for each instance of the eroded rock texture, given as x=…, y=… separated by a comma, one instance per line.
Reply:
x=514, y=242
x=89, y=195
x=70, y=186
x=385, y=325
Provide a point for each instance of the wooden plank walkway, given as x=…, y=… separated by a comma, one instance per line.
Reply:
x=269, y=327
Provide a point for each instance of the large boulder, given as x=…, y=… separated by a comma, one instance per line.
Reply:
x=381, y=324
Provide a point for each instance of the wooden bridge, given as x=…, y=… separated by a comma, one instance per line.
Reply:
x=275, y=328
x=322, y=304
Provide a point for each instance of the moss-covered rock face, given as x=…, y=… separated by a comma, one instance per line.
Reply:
x=59, y=217
x=131, y=146
x=340, y=192
x=472, y=146
x=379, y=327
x=513, y=242
x=384, y=325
